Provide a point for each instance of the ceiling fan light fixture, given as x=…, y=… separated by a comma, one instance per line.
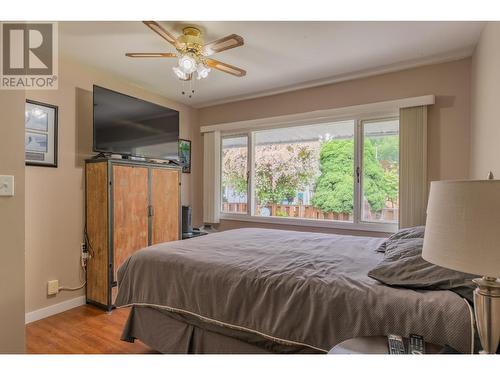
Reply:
x=187, y=63
x=193, y=53
x=179, y=73
x=202, y=71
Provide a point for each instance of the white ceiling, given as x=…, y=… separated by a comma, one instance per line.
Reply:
x=278, y=56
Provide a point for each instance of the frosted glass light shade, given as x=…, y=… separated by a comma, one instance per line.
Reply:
x=179, y=73
x=187, y=63
x=202, y=71
x=463, y=226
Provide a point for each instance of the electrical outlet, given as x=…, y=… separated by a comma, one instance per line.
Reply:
x=52, y=287
x=84, y=259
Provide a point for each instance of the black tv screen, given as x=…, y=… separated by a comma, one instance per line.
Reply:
x=130, y=126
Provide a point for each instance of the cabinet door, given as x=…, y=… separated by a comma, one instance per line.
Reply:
x=165, y=202
x=130, y=212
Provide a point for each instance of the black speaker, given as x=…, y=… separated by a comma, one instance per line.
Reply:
x=186, y=220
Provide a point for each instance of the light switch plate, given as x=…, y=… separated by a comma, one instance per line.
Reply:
x=6, y=186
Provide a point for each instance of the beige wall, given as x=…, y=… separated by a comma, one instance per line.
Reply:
x=12, y=223
x=485, y=104
x=55, y=196
x=448, y=119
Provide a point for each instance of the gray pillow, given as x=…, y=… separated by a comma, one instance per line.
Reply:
x=405, y=233
x=404, y=266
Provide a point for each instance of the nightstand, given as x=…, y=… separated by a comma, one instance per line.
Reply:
x=378, y=345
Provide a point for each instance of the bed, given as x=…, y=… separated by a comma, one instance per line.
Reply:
x=272, y=291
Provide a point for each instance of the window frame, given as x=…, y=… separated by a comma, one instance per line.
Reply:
x=357, y=223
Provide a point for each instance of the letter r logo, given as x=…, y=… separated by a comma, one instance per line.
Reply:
x=27, y=48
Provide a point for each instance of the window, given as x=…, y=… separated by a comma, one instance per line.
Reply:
x=335, y=172
x=305, y=171
x=380, y=183
x=234, y=184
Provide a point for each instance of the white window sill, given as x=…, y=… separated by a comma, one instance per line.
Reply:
x=364, y=226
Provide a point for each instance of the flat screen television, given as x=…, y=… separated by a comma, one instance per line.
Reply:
x=133, y=127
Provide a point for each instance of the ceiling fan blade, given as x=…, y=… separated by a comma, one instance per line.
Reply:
x=150, y=54
x=226, y=68
x=157, y=28
x=222, y=44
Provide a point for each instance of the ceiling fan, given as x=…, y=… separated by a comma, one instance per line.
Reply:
x=193, y=53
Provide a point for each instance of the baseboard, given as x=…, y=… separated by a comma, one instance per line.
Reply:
x=54, y=309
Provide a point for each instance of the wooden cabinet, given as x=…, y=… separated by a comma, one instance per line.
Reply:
x=129, y=206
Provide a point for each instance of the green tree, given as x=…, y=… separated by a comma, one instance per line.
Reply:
x=391, y=184
x=334, y=186
x=334, y=189
x=373, y=177
x=387, y=152
x=387, y=148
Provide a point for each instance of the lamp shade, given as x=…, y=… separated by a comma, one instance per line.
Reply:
x=462, y=231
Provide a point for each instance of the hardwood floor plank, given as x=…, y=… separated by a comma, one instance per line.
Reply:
x=82, y=330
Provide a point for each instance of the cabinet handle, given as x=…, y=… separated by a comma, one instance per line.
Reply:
x=151, y=211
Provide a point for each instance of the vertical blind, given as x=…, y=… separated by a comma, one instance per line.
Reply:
x=413, y=185
x=211, y=177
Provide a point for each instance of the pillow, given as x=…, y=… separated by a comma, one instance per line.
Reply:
x=405, y=233
x=404, y=266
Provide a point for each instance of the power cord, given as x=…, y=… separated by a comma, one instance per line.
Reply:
x=86, y=238
x=84, y=267
x=73, y=289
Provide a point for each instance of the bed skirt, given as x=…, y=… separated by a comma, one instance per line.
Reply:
x=172, y=333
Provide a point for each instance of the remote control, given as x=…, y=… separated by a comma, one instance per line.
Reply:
x=417, y=344
x=396, y=345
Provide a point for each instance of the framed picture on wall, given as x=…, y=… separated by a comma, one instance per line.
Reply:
x=40, y=134
x=185, y=155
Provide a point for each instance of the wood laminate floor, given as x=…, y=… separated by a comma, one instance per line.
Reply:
x=82, y=330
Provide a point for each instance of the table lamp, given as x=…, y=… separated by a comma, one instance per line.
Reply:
x=462, y=233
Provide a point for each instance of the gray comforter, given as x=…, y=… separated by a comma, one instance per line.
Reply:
x=300, y=289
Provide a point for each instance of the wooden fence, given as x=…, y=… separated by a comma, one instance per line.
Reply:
x=308, y=212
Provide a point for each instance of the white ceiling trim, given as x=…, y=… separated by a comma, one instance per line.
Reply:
x=437, y=59
x=387, y=108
